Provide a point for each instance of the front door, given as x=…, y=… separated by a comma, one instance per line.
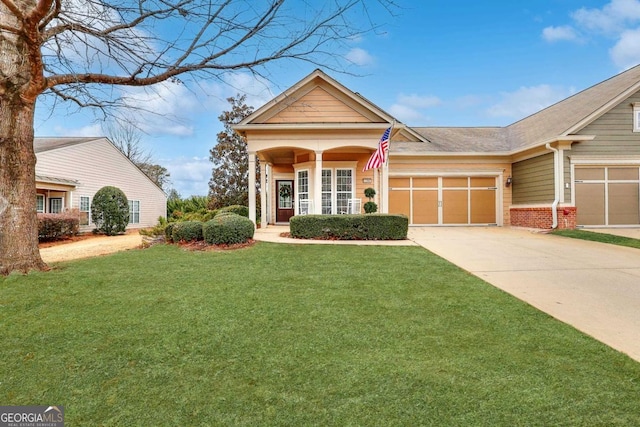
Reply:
x=284, y=206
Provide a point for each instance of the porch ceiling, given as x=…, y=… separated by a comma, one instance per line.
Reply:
x=287, y=155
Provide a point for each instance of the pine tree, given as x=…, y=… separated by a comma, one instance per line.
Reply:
x=229, y=184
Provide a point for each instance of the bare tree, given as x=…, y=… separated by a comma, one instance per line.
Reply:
x=127, y=138
x=76, y=50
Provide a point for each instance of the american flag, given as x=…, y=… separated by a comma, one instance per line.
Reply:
x=379, y=156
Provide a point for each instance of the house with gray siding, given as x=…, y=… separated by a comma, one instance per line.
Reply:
x=69, y=171
x=575, y=163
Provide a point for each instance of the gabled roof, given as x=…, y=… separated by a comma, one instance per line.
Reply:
x=47, y=144
x=574, y=113
x=363, y=114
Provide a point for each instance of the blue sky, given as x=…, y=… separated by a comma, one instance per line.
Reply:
x=435, y=63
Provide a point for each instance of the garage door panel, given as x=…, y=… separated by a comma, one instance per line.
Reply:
x=590, y=202
x=623, y=204
x=400, y=202
x=455, y=207
x=483, y=206
x=425, y=207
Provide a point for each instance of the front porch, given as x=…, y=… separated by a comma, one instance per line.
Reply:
x=298, y=181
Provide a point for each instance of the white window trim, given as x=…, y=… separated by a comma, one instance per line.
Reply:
x=132, y=203
x=636, y=117
x=44, y=201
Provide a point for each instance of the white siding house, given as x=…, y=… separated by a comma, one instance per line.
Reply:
x=69, y=171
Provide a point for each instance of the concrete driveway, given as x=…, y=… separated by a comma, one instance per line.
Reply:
x=592, y=286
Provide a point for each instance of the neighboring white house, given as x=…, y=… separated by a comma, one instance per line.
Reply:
x=69, y=172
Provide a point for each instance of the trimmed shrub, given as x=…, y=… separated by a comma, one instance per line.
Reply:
x=370, y=207
x=350, y=227
x=187, y=231
x=228, y=228
x=57, y=226
x=237, y=209
x=168, y=231
x=110, y=211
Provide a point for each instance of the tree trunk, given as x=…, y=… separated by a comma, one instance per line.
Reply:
x=18, y=220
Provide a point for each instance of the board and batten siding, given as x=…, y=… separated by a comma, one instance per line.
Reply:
x=614, y=132
x=533, y=180
x=97, y=163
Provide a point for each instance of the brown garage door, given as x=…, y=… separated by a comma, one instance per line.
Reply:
x=607, y=195
x=444, y=200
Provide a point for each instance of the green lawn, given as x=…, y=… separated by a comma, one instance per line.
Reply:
x=298, y=335
x=599, y=237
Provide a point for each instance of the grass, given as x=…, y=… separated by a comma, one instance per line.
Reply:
x=600, y=237
x=297, y=335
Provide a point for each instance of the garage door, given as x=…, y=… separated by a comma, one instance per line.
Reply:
x=607, y=195
x=444, y=200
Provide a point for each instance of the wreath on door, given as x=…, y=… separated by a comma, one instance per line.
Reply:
x=285, y=191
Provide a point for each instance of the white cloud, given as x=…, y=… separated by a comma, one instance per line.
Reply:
x=417, y=101
x=626, y=52
x=359, y=57
x=611, y=19
x=189, y=176
x=163, y=108
x=92, y=130
x=562, y=33
x=527, y=100
x=408, y=108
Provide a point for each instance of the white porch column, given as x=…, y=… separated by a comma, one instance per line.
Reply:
x=264, y=193
x=384, y=186
x=317, y=185
x=252, y=187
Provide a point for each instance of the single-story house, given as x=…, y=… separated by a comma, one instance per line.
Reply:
x=69, y=172
x=575, y=163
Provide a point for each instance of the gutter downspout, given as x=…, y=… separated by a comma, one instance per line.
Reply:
x=556, y=180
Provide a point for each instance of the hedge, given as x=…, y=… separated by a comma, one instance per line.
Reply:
x=57, y=226
x=186, y=231
x=350, y=227
x=228, y=228
x=236, y=209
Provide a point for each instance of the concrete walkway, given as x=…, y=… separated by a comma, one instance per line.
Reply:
x=592, y=286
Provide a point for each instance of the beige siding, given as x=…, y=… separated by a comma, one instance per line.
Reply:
x=98, y=163
x=533, y=180
x=318, y=106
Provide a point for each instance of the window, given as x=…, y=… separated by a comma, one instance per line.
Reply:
x=85, y=206
x=40, y=203
x=344, y=189
x=134, y=211
x=636, y=117
x=326, y=191
x=55, y=204
x=337, y=189
x=303, y=185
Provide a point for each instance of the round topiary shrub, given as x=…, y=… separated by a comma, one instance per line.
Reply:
x=228, y=229
x=187, y=231
x=110, y=211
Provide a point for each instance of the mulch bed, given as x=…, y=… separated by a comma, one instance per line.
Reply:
x=203, y=246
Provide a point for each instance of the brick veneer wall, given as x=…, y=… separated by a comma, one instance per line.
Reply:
x=541, y=217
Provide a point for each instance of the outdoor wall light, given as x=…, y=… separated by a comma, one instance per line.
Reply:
x=509, y=181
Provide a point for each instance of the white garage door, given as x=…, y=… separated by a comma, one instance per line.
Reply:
x=607, y=195
x=464, y=200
